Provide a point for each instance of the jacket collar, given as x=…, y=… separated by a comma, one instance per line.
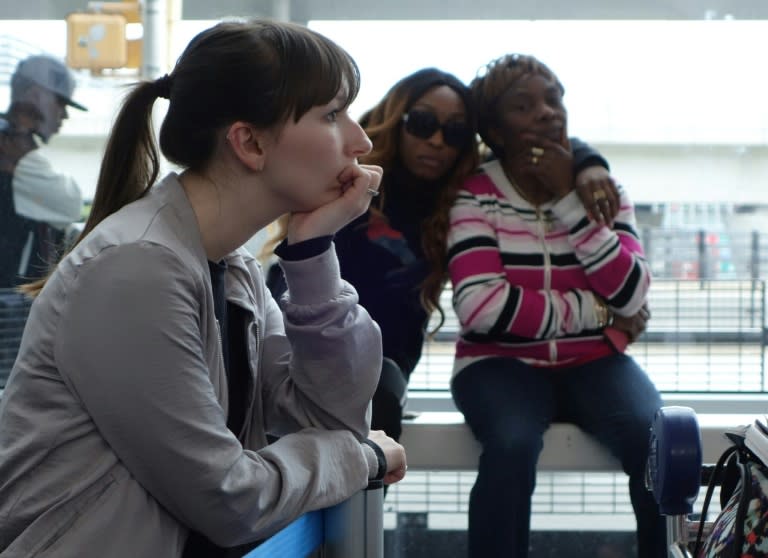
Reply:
x=169, y=191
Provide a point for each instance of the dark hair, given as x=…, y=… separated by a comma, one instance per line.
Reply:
x=262, y=72
x=383, y=124
x=487, y=89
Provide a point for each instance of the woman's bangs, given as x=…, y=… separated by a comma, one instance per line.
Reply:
x=326, y=70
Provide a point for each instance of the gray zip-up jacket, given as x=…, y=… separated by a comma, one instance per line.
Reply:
x=113, y=436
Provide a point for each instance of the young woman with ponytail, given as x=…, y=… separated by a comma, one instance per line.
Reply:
x=155, y=364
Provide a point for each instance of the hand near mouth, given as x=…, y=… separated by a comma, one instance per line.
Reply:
x=558, y=135
x=359, y=183
x=549, y=162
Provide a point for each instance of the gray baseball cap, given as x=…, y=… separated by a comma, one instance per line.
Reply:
x=50, y=74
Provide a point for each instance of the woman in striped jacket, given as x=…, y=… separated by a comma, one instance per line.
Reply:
x=549, y=289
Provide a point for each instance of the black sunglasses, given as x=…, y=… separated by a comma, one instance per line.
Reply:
x=423, y=124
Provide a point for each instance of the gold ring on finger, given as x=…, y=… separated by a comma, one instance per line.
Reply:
x=598, y=195
x=537, y=151
x=535, y=160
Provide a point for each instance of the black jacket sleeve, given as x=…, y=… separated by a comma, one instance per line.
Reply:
x=584, y=156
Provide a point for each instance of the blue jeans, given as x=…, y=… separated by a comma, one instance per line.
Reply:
x=509, y=405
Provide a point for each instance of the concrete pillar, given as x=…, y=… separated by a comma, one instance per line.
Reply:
x=154, y=48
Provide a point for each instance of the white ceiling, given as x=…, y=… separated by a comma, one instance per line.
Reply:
x=305, y=10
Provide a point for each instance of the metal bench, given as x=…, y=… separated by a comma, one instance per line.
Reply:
x=441, y=441
x=580, y=486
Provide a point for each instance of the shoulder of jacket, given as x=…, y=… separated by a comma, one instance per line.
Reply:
x=479, y=182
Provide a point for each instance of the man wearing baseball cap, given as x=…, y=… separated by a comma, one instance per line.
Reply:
x=36, y=202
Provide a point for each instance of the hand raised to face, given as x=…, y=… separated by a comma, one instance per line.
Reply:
x=360, y=183
x=18, y=140
x=549, y=162
x=24, y=117
x=532, y=132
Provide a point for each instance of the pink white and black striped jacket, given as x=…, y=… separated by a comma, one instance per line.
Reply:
x=525, y=280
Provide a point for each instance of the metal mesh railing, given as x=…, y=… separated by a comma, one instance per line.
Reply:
x=14, y=309
x=569, y=495
x=448, y=492
x=704, y=336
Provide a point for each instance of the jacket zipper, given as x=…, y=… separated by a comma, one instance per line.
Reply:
x=547, y=274
x=221, y=346
x=252, y=378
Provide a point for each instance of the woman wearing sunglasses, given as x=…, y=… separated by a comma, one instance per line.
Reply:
x=537, y=287
x=423, y=136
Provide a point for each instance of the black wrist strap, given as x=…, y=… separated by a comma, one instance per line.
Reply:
x=378, y=480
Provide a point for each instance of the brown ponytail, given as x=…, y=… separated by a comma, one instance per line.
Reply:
x=129, y=167
x=130, y=164
x=262, y=72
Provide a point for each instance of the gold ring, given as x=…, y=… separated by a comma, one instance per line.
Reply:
x=535, y=160
x=373, y=193
x=537, y=151
x=598, y=195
